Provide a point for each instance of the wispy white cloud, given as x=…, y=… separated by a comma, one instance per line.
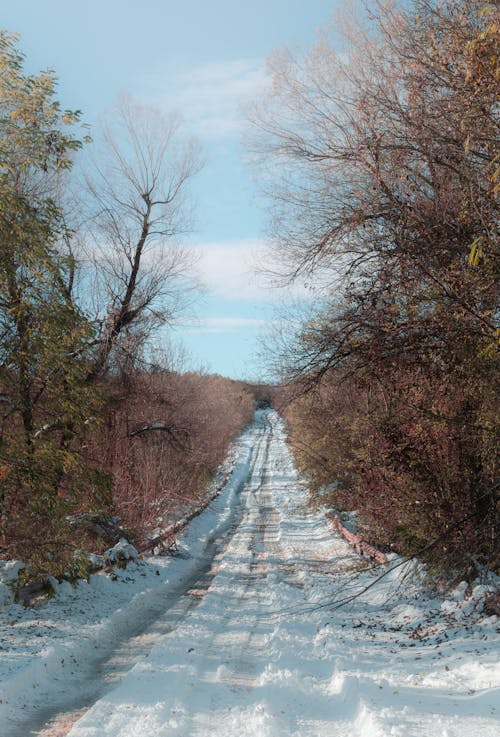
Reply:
x=235, y=322
x=236, y=270
x=228, y=269
x=210, y=96
x=222, y=325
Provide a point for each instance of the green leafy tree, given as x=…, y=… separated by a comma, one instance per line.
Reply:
x=45, y=396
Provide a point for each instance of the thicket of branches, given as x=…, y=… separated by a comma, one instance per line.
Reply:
x=383, y=168
x=163, y=437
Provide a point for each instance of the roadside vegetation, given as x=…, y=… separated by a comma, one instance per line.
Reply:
x=95, y=436
x=378, y=152
x=162, y=438
x=380, y=158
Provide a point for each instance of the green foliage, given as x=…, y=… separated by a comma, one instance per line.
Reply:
x=43, y=335
x=30, y=122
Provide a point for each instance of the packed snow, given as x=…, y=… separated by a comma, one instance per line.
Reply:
x=266, y=624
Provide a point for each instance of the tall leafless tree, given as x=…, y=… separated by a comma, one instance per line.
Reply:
x=137, y=211
x=379, y=165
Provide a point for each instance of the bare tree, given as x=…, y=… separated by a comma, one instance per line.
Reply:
x=379, y=165
x=138, y=209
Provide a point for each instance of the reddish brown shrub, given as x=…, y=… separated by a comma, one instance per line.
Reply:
x=163, y=437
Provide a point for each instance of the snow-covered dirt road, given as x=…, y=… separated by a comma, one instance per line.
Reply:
x=243, y=637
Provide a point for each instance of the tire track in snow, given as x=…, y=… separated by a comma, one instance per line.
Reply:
x=103, y=673
x=260, y=656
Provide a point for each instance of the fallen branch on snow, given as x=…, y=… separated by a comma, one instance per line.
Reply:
x=359, y=545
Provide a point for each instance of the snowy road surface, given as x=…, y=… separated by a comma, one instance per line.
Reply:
x=249, y=641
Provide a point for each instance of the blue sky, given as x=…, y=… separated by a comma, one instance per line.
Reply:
x=204, y=58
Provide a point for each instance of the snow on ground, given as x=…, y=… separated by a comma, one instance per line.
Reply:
x=243, y=637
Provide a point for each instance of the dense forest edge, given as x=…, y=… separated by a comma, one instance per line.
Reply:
x=385, y=201
x=101, y=436
x=381, y=165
